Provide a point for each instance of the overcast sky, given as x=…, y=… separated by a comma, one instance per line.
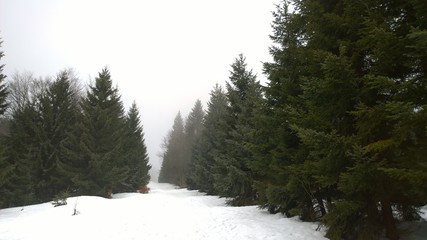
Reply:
x=163, y=54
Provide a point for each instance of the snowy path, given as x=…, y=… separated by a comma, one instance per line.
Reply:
x=165, y=213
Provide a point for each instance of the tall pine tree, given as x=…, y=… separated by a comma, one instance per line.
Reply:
x=103, y=168
x=211, y=143
x=58, y=109
x=174, y=154
x=5, y=167
x=3, y=88
x=192, y=131
x=136, y=152
x=346, y=95
x=21, y=149
x=234, y=178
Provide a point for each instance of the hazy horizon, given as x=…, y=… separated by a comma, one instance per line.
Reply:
x=164, y=55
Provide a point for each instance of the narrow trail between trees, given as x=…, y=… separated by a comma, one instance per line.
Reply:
x=164, y=213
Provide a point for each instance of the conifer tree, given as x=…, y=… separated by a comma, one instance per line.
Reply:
x=346, y=103
x=58, y=110
x=174, y=154
x=20, y=152
x=103, y=168
x=38, y=127
x=3, y=88
x=192, y=131
x=5, y=173
x=211, y=143
x=234, y=178
x=23, y=144
x=136, y=152
x=74, y=167
x=5, y=167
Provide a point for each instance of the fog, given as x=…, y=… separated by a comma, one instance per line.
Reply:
x=164, y=55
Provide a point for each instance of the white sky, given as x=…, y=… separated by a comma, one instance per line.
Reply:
x=163, y=54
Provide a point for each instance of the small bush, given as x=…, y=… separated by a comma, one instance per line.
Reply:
x=60, y=199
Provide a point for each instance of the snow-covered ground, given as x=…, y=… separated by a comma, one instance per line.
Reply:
x=164, y=213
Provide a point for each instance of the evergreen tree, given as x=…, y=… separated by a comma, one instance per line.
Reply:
x=58, y=110
x=347, y=108
x=103, y=167
x=179, y=146
x=5, y=167
x=210, y=144
x=3, y=88
x=174, y=154
x=74, y=166
x=22, y=153
x=20, y=157
x=136, y=152
x=6, y=170
x=192, y=131
x=234, y=178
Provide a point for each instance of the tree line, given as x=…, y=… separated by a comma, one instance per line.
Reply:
x=58, y=140
x=338, y=134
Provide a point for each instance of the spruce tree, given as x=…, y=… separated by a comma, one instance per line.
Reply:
x=5, y=167
x=192, y=131
x=136, y=152
x=58, y=110
x=74, y=167
x=234, y=178
x=348, y=102
x=23, y=151
x=179, y=146
x=6, y=170
x=174, y=154
x=38, y=128
x=101, y=136
x=3, y=88
x=20, y=153
x=211, y=143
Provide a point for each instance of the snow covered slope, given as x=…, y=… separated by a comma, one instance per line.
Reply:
x=164, y=213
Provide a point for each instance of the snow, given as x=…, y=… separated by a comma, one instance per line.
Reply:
x=165, y=213
x=416, y=230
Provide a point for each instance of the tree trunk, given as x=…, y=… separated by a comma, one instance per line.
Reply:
x=321, y=205
x=389, y=222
